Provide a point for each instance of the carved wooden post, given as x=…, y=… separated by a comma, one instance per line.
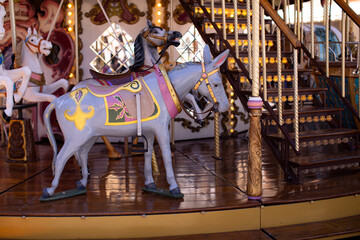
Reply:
x=254, y=179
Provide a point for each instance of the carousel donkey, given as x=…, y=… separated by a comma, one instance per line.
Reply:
x=9, y=77
x=146, y=54
x=144, y=106
x=27, y=55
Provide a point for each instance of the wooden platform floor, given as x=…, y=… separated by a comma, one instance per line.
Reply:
x=115, y=186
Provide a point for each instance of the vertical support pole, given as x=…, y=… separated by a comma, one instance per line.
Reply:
x=248, y=30
x=296, y=100
x=326, y=16
x=263, y=51
x=254, y=179
x=217, y=135
x=223, y=19
x=13, y=24
x=212, y=11
x=343, y=53
x=312, y=30
x=77, y=60
x=279, y=65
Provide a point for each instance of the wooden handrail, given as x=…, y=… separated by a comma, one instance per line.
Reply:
x=348, y=10
x=281, y=24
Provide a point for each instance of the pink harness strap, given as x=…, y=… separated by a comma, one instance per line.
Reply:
x=165, y=92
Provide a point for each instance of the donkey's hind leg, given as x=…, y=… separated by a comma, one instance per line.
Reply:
x=82, y=157
x=33, y=94
x=65, y=153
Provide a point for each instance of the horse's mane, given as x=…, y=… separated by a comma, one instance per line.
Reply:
x=139, y=53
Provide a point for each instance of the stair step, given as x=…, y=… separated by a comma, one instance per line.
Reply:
x=240, y=5
x=241, y=20
x=308, y=161
x=272, y=71
x=307, y=111
x=332, y=133
x=290, y=91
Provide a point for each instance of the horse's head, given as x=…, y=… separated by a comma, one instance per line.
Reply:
x=2, y=15
x=159, y=37
x=214, y=91
x=36, y=43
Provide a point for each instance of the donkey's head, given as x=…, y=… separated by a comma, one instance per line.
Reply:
x=213, y=88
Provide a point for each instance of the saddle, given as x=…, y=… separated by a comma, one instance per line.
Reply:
x=112, y=79
x=121, y=102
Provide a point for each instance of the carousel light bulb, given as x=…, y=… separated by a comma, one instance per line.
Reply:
x=159, y=13
x=232, y=116
x=70, y=29
x=69, y=13
x=69, y=5
x=158, y=21
x=231, y=130
x=69, y=21
x=232, y=94
x=232, y=100
x=159, y=4
x=232, y=123
x=232, y=108
x=71, y=75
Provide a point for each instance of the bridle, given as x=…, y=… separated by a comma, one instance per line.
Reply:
x=147, y=35
x=204, y=76
x=29, y=44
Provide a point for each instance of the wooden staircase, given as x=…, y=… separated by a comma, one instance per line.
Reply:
x=325, y=145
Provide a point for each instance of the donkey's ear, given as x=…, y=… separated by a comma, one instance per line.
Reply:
x=207, y=55
x=29, y=31
x=149, y=23
x=219, y=60
x=35, y=32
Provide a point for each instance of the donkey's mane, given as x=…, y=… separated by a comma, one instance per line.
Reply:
x=139, y=53
x=184, y=65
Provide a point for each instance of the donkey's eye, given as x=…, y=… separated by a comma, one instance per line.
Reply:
x=216, y=85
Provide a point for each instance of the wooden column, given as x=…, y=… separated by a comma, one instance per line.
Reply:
x=254, y=179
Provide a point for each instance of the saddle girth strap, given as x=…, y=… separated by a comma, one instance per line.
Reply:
x=37, y=79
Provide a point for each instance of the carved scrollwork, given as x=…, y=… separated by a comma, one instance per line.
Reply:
x=180, y=16
x=188, y=124
x=129, y=14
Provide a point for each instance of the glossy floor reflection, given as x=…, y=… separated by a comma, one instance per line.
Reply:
x=114, y=187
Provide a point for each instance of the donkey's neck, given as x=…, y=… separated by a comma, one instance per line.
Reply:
x=31, y=60
x=151, y=54
x=184, y=78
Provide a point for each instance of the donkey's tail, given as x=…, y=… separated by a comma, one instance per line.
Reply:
x=49, y=131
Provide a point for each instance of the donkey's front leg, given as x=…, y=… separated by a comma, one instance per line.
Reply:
x=149, y=180
x=164, y=142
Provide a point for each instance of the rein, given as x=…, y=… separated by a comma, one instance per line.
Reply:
x=28, y=44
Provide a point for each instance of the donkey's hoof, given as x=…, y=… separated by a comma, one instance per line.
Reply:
x=79, y=185
x=150, y=186
x=45, y=193
x=17, y=98
x=5, y=117
x=175, y=191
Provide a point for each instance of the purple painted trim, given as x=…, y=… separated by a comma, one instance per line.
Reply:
x=169, y=102
x=254, y=198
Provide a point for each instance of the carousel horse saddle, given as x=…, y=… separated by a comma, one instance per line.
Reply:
x=121, y=102
x=112, y=79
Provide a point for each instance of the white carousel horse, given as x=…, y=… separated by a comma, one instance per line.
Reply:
x=9, y=77
x=38, y=90
x=85, y=114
